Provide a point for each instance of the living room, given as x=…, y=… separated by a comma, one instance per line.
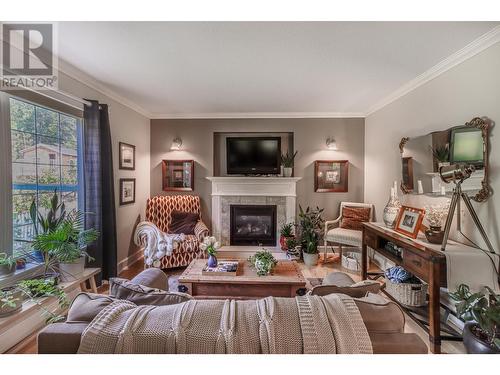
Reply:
x=262, y=186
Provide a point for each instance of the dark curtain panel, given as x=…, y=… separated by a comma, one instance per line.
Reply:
x=99, y=188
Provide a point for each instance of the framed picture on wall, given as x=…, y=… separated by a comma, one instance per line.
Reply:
x=409, y=221
x=177, y=175
x=127, y=191
x=127, y=156
x=331, y=176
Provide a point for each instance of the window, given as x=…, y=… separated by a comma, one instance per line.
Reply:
x=46, y=149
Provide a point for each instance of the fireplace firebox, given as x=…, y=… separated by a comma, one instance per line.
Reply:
x=253, y=225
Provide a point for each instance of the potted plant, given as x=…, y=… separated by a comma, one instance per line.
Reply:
x=481, y=312
x=286, y=232
x=10, y=301
x=310, y=225
x=45, y=224
x=7, y=265
x=210, y=245
x=66, y=245
x=287, y=160
x=34, y=289
x=263, y=262
x=441, y=154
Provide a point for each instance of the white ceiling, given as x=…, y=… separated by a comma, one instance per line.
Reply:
x=171, y=69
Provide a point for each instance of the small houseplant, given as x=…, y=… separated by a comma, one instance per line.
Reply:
x=310, y=225
x=10, y=301
x=211, y=245
x=263, y=262
x=45, y=224
x=481, y=312
x=441, y=154
x=287, y=160
x=66, y=244
x=286, y=232
x=7, y=265
x=34, y=289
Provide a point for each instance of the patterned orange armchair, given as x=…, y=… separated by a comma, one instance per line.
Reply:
x=162, y=249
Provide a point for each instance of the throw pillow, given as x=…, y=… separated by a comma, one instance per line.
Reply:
x=183, y=222
x=352, y=217
x=142, y=295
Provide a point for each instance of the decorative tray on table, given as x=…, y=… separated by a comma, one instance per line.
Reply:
x=223, y=268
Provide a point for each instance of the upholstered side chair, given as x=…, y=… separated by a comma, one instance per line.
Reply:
x=157, y=225
x=336, y=235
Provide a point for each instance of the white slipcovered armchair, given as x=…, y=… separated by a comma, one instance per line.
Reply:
x=342, y=236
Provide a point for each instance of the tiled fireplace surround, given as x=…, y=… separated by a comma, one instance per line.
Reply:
x=226, y=191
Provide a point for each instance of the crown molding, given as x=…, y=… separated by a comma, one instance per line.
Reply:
x=478, y=45
x=85, y=79
x=241, y=115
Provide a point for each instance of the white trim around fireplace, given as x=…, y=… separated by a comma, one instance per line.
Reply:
x=252, y=187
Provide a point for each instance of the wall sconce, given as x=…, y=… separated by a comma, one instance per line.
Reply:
x=331, y=143
x=176, y=144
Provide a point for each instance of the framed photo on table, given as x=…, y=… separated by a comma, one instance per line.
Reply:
x=331, y=176
x=409, y=221
x=126, y=156
x=127, y=191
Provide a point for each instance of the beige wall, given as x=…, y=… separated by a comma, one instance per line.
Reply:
x=309, y=140
x=467, y=90
x=130, y=127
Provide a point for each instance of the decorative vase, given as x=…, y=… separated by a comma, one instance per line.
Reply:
x=434, y=234
x=287, y=172
x=310, y=259
x=391, y=210
x=212, y=261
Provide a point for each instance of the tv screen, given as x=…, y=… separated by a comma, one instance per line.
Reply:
x=467, y=146
x=253, y=155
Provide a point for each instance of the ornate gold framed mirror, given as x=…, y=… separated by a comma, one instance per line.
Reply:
x=421, y=158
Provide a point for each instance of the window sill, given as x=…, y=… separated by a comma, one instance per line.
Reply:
x=31, y=270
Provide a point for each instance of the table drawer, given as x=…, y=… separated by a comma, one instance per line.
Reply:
x=371, y=239
x=416, y=265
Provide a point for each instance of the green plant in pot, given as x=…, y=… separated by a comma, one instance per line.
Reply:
x=286, y=232
x=34, y=289
x=7, y=265
x=67, y=245
x=45, y=224
x=441, y=154
x=310, y=229
x=287, y=161
x=481, y=312
x=263, y=262
x=11, y=300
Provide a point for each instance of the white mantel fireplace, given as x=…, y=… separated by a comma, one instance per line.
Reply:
x=280, y=192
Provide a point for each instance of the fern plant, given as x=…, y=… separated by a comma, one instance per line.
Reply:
x=68, y=241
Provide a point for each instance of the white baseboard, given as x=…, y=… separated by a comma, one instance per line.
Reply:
x=128, y=261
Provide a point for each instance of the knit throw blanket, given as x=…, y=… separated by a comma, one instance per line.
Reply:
x=307, y=324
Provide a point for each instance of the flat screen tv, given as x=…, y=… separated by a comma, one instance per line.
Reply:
x=466, y=146
x=253, y=155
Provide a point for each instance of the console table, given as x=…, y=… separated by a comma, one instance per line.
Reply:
x=426, y=263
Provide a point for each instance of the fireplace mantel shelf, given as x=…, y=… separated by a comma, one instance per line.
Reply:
x=254, y=186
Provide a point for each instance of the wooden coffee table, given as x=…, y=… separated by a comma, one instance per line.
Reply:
x=286, y=281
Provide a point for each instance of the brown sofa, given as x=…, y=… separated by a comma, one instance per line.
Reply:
x=384, y=323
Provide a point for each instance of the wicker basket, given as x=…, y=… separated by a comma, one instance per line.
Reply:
x=408, y=294
x=351, y=260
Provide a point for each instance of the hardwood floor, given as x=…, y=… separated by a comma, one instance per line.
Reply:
x=28, y=346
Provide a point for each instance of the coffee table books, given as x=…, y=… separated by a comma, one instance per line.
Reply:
x=223, y=268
